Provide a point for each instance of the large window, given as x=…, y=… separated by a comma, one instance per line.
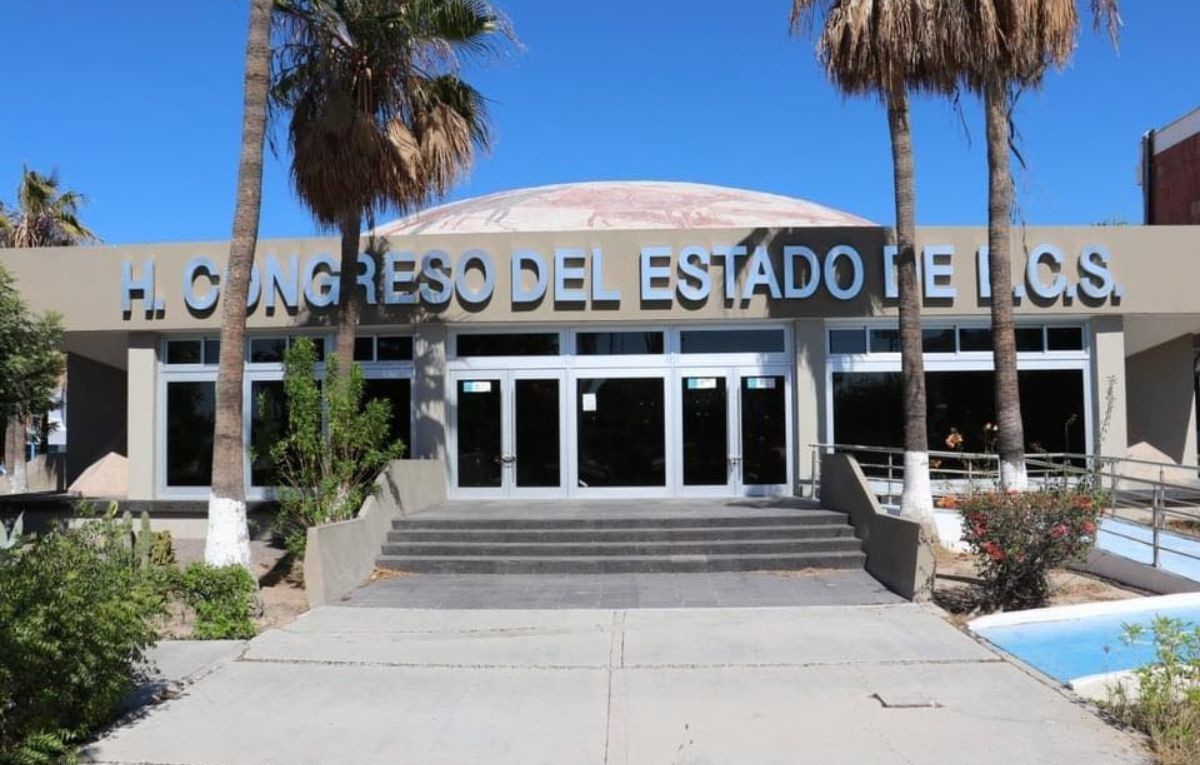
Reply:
x=868, y=409
x=191, y=415
x=188, y=373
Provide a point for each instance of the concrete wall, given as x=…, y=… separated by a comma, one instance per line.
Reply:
x=1160, y=384
x=810, y=414
x=340, y=556
x=141, y=413
x=96, y=413
x=1130, y=572
x=896, y=553
x=429, y=392
x=1110, y=415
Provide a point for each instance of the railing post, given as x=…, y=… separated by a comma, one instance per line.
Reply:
x=812, y=483
x=1158, y=512
x=891, y=475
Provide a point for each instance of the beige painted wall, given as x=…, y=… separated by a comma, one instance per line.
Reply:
x=810, y=414
x=1157, y=267
x=1107, y=379
x=140, y=417
x=1162, y=399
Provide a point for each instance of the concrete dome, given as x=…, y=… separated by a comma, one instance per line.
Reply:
x=620, y=205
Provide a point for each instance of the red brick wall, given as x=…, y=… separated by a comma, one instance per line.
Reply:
x=1177, y=184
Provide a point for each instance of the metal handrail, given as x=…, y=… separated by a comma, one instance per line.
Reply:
x=1167, y=499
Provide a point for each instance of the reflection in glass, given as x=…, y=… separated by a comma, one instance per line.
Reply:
x=847, y=341
x=868, y=409
x=619, y=343
x=974, y=339
x=885, y=341
x=191, y=417
x=764, y=431
x=1029, y=339
x=399, y=392
x=478, y=424
x=705, y=432
x=732, y=341
x=212, y=351
x=183, y=352
x=267, y=349
x=537, y=438
x=364, y=349
x=394, y=348
x=938, y=340
x=507, y=344
x=622, y=440
x=268, y=425
x=1064, y=338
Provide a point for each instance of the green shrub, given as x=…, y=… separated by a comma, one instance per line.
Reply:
x=222, y=598
x=1018, y=537
x=333, y=448
x=76, y=616
x=1166, y=706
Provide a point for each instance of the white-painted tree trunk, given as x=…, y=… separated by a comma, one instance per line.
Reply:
x=228, y=540
x=916, y=502
x=1013, y=475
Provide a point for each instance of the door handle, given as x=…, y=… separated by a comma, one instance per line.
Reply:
x=508, y=459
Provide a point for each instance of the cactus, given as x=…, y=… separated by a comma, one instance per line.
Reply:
x=8, y=539
x=144, y=541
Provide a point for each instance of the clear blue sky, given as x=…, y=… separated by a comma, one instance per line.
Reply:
x=137, y=104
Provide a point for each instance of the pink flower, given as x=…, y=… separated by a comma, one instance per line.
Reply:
x=1088, y=527
x=1059, y=531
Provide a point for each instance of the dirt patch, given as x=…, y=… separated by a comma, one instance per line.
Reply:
x=957, y=588
x=380, y=574
x=280, y=581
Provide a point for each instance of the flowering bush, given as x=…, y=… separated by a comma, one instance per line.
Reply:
x=1018, y=537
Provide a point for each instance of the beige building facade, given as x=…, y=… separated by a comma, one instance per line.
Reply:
x=632, y=340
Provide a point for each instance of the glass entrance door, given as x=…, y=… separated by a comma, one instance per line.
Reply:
x=732, y=431
x=508, y=433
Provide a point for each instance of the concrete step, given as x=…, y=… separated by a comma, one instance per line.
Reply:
x=639, y=548
x=611, y=564
x=646, y=534
x=650, y=520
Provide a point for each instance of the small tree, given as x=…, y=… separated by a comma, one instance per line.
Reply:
x=30, y=367
x=326, y=473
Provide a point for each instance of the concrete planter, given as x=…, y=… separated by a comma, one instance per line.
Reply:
x=340, y=556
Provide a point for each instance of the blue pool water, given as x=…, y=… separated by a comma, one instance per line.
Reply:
x=1074, y=648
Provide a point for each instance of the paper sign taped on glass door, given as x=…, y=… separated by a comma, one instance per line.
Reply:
x=702, y=383
x=589, y=402
x=760, y=383
x=477, y=386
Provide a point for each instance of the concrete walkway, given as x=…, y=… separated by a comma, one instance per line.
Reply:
x=861, y=684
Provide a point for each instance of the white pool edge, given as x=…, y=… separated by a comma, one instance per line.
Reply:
x=1102, y=686
x=1082, y=611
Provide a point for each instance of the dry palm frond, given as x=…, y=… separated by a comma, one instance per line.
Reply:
x=44, y=216
x=378, y=117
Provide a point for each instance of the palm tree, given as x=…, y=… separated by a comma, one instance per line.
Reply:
x=1000, y=47
x=887, y=48
x=378, y=117
x=44, y=216
x=228, y=538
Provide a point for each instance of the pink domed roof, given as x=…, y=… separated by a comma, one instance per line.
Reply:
x=620, y=205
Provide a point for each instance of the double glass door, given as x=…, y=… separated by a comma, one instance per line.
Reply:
x=732, y=431
x=509, y=431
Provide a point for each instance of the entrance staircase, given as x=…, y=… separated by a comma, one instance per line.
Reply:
x=738, y=539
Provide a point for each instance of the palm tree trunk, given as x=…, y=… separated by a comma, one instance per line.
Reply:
x=14, y=455
x=348, y=299
x=228, y=540
x=917, y=500
x=1010, y=440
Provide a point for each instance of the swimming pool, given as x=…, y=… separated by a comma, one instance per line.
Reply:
x=1069, y=643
